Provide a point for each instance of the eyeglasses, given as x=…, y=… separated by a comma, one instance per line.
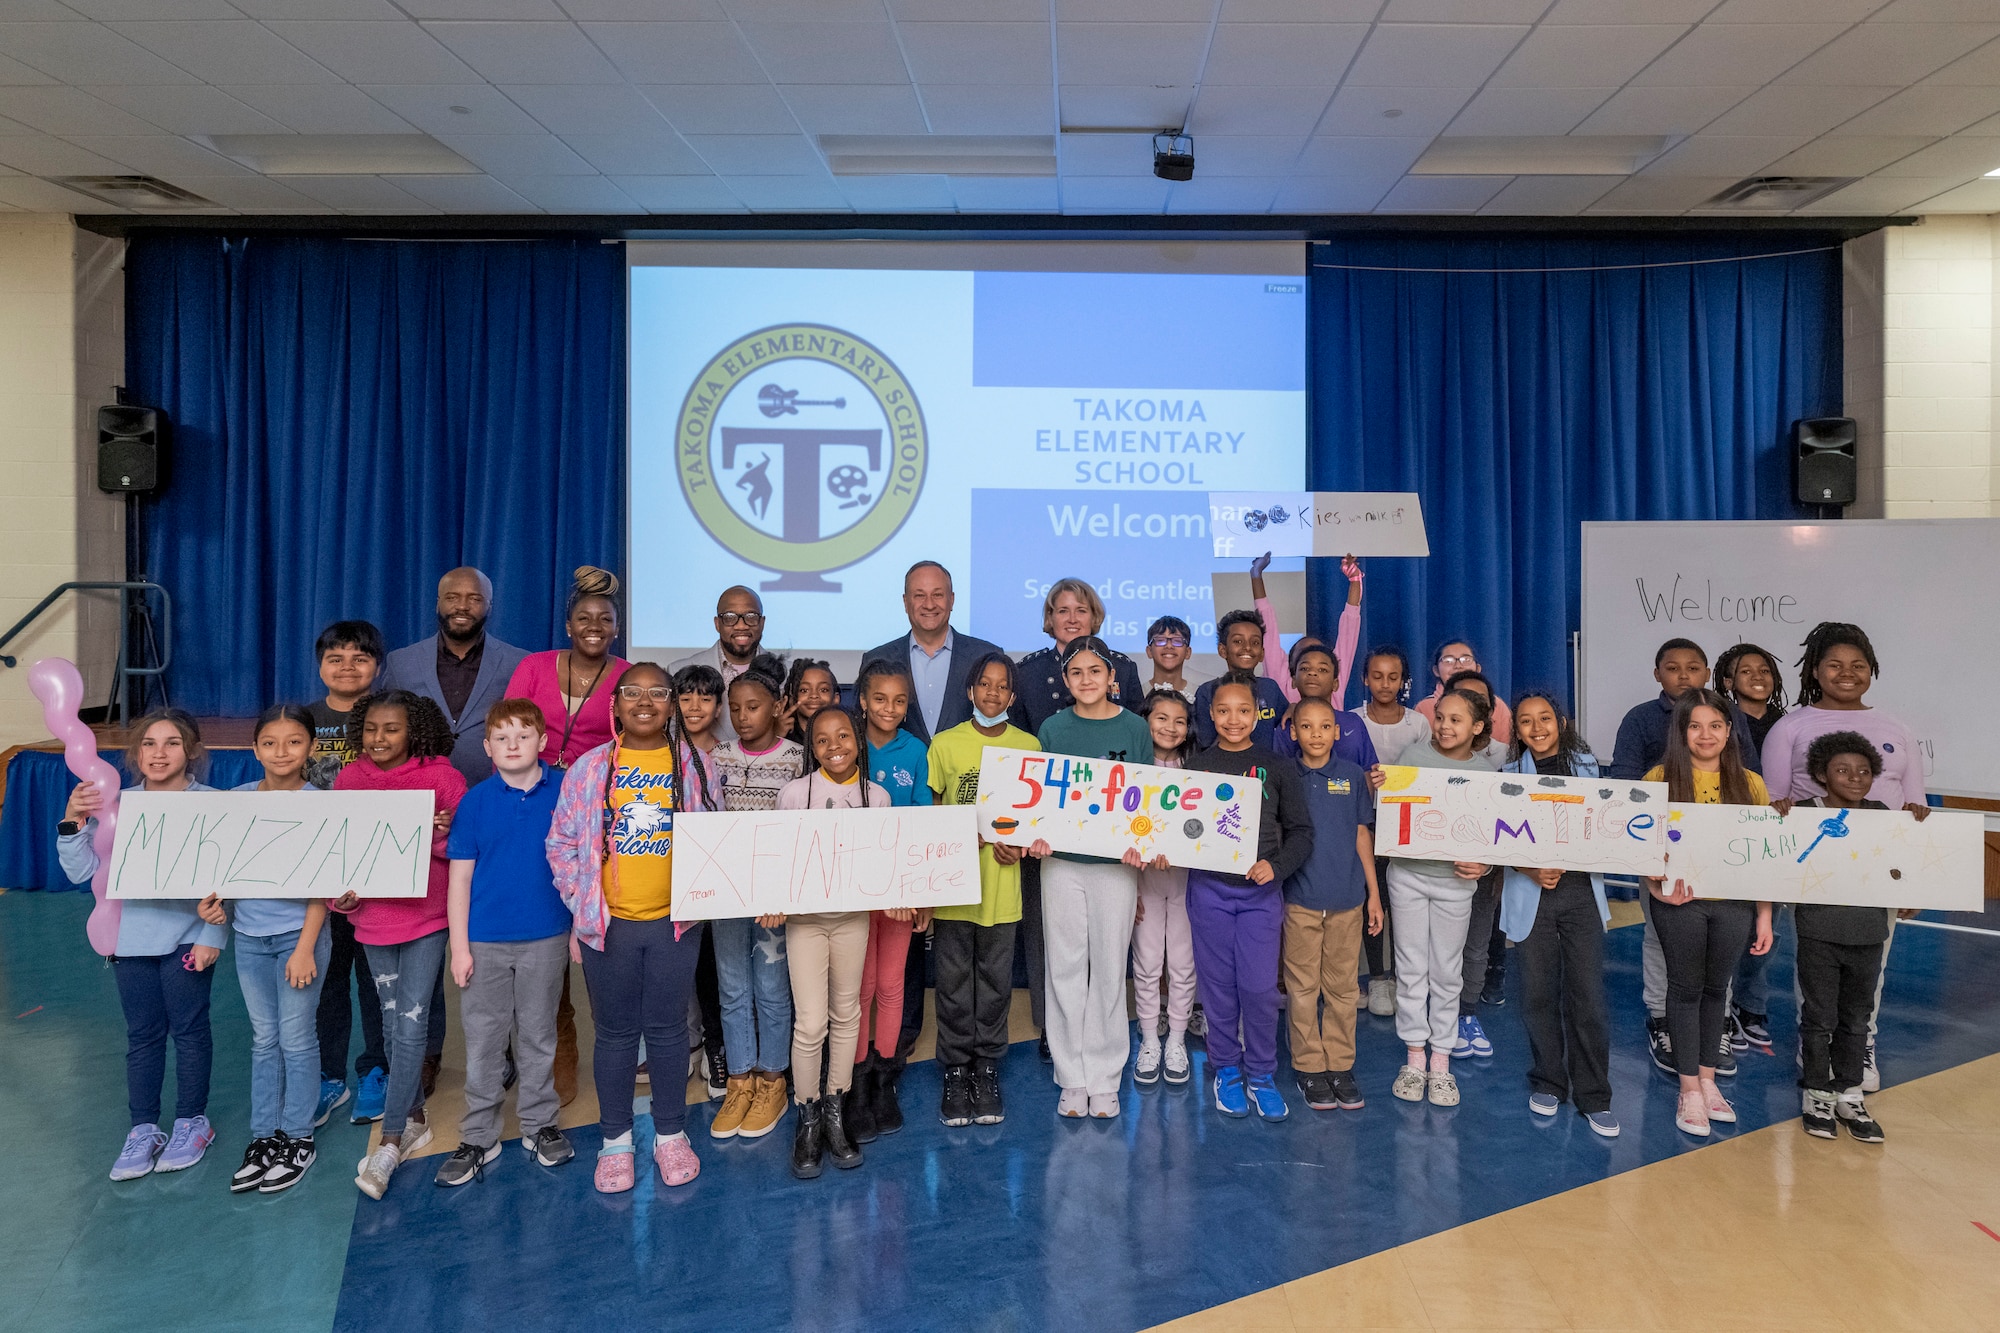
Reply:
x=1460, y=660
x=731, y=619
x=659, y=694
x=1166, y=642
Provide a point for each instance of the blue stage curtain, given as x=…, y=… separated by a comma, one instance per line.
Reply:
x=1521, y=404
x=351, y=419
x=38, y=788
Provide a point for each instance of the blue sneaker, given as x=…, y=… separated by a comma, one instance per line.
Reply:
x=1602, y=1123
x=190, y=1140
x=1229, y=1098
x=1543, y=1103
x=142, y=1147
x=1472, y=1039
x=368, y=1102
x=1265, y=1097
x=333, y=1094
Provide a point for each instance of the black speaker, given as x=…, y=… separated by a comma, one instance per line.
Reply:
x=1823, y=457
x=128, y=447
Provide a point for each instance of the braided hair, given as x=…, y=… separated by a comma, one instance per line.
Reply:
x=587, y=581
x=430, y=734
x=1725, y=667
x=677, y=745
x=795, y=682
x=1826, y=635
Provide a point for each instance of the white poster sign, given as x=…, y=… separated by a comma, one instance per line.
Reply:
x=272, y=844
x=1519, y=819
x=1326, y=523
x=1102, y=807
x=760, y=862
x=1852, y=858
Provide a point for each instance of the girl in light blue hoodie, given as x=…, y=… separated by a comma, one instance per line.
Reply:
x=1556, y=919
x=164, y=963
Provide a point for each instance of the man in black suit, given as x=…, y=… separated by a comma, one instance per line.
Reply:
x=461, y=668
x=936, y=655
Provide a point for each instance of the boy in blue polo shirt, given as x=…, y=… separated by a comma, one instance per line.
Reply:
x=1325, y=901
x=509, y=944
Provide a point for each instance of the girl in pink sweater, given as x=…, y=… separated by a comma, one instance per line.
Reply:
x=403, y=743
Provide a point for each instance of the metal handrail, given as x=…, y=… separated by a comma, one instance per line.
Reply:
x=125, y=671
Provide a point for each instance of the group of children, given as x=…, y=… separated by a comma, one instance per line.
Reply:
x=542, y=864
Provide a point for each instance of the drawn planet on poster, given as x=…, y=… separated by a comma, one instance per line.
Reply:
x=1005, y=825
x=1223, y=791
x=1192, y=828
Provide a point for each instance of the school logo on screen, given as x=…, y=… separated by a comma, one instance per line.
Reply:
x=802, y=449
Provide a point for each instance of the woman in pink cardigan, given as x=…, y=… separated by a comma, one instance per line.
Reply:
x=403, y=743
x=573, y=686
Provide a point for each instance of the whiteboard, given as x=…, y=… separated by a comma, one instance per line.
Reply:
x=1927, y=591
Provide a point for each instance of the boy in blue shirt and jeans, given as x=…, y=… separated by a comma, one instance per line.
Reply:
x=510, y=944
x=1326, y=902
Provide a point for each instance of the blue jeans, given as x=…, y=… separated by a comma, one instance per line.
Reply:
x=160, y=995
x=405, y=976
x=756, y=989
x=284, y=1035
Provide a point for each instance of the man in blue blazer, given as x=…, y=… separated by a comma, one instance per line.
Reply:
x=461, y=668
x=937, y=656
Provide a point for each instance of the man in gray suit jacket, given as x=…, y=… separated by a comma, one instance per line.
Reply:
x=936, y=655
x=461, y=668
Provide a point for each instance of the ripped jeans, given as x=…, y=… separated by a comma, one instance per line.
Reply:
x=405, y=976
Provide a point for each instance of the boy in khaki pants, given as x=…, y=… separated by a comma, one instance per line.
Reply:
x=1325, y=901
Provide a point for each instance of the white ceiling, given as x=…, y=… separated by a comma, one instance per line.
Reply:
x=714, y=106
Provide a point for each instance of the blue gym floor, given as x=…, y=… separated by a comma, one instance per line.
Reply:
x=1034, y=1224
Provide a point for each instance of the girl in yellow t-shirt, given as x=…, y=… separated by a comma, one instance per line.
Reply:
x=1703, y=938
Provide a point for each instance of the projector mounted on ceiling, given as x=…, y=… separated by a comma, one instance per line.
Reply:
x=1173, y=156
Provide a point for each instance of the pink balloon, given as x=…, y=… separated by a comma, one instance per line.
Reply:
x=54, y=681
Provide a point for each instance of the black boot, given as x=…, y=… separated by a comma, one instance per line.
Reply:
x=833, y=1131
x=808, y=1140
x=857, y=1111
x=888, y=1111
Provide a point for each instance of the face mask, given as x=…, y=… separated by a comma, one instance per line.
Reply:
x=986, y=721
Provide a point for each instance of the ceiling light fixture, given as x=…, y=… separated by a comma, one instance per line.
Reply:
x=1539, y=155
x=939, y=154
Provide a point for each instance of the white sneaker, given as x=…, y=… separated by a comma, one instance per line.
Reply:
x=1103, y=1106
x=416, y=1135
x=1146, y=1069
x=1871, y=1077
x=1074, y=1104
x=376, y=1168
x=1382, y=997
x=1178, y=1067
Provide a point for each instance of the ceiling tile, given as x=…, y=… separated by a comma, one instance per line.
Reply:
x=1373, y=158
x=1224, y=194
x=1113, y=194
x=1528, y=110
x=239, y=52
x=722, y=108
x=547, y=10
x=1720, y=155
x=1965, y=157
x=1136, y=108
x=1661, y=194
x=677, y=52
x=1463, y=11
x=990, y=108
x=1928, y=109
x=977, y=52
x=67, y=111
x=189, y=109
x=657, y=154
x=1979, y=68
x=586, y=108
x=1247, y=155
x=165, y=155
x=526, y=154
x=856, y=108
x=1629, y=11
x=822, y=11
x=1899, y=53
x=358, y=194
x=680, y=194
x=827, y=52
x=1120, y=11
x=79, y=53
x=110, y=11
x=1130, y=53
x=257, y=194
x=1108, y=154
x=1585, y=56
x=1441, y=194
x=319, y=9
x=25, y=192
x=464, y=194
x=1661, y=110
x=1721, y=55
x=1264, y=54
x=1269, y=110
x=1416, y=111
x=648, y=10
x=898, y=194
x=571, y=194
x=1880, y=195
x=46, y=155
x=1005, y=194
x=1300, y=11
x=757, y=154
x=790, y=194
x=1421, y=55
x=1548, y=196
x=1934, y=11
x=955, y=11
x=1352, y=194
x=322, y=108
x=486, y=110
x=1784, y=11
x=14, y=74
x=1980, y=196
x=526, y=52
x=1848, y=155
x=377, y=52
x=1797, y=108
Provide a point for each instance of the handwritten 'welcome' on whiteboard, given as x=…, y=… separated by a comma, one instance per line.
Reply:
x=765, y=862
x=272, y=844
x=1520, y=819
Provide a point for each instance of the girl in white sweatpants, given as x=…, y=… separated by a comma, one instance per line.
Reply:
x=1160, y=938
